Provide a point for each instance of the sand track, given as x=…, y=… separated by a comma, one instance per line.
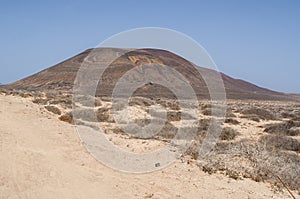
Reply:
x=42, y=157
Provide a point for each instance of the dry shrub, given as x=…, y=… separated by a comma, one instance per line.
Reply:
x=82, y=99
x=208, y=169
x=170, y=104
x=260, y=113
x=66, y=103
x=231, y=121
x=294, y=132
x=85, y=114
x=53, y=109
x=140, y=101
x=142, y=122
x=60, y=101
x=3, y=91
x=104, y=115
x=25, y=95
x=275, y=142
x=219, y=110
x=283, y=128
x=206, y=111
x=117, y=131
x=204, y=124
x=193, y=150
x=67, y=117
x=40, y=101
x=173, y=116
x=233, y=174
x=87, y=124
x=256, y=161
x=105, y=99
x=187, y=116
x=51, y=95
x=215, y=105
x=88, y=101
x=98, y=102
x=296, y=118
x=228, y=134
x=251, y=117
x=190, y=133
x=280, y=163
x=168, y=131
x=206, y=106
x=288, y=115
x=16, y=93
x=230, y=114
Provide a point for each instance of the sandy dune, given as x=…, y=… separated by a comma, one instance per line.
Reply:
x=42, y=157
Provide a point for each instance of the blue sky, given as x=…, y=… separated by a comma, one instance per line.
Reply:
x=258, y=41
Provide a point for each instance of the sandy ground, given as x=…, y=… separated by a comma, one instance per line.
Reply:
x=42, y=157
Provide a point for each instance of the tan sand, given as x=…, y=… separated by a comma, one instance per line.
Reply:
x=42, y=157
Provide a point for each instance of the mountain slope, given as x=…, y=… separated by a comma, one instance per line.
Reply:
x=61, y=76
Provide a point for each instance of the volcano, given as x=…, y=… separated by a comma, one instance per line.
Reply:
x=61, y=76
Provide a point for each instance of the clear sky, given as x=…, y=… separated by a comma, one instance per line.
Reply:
x=258, y=41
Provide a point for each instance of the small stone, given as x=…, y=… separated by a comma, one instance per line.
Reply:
x=149, y=195
x=157, y=164
x=152, y=183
